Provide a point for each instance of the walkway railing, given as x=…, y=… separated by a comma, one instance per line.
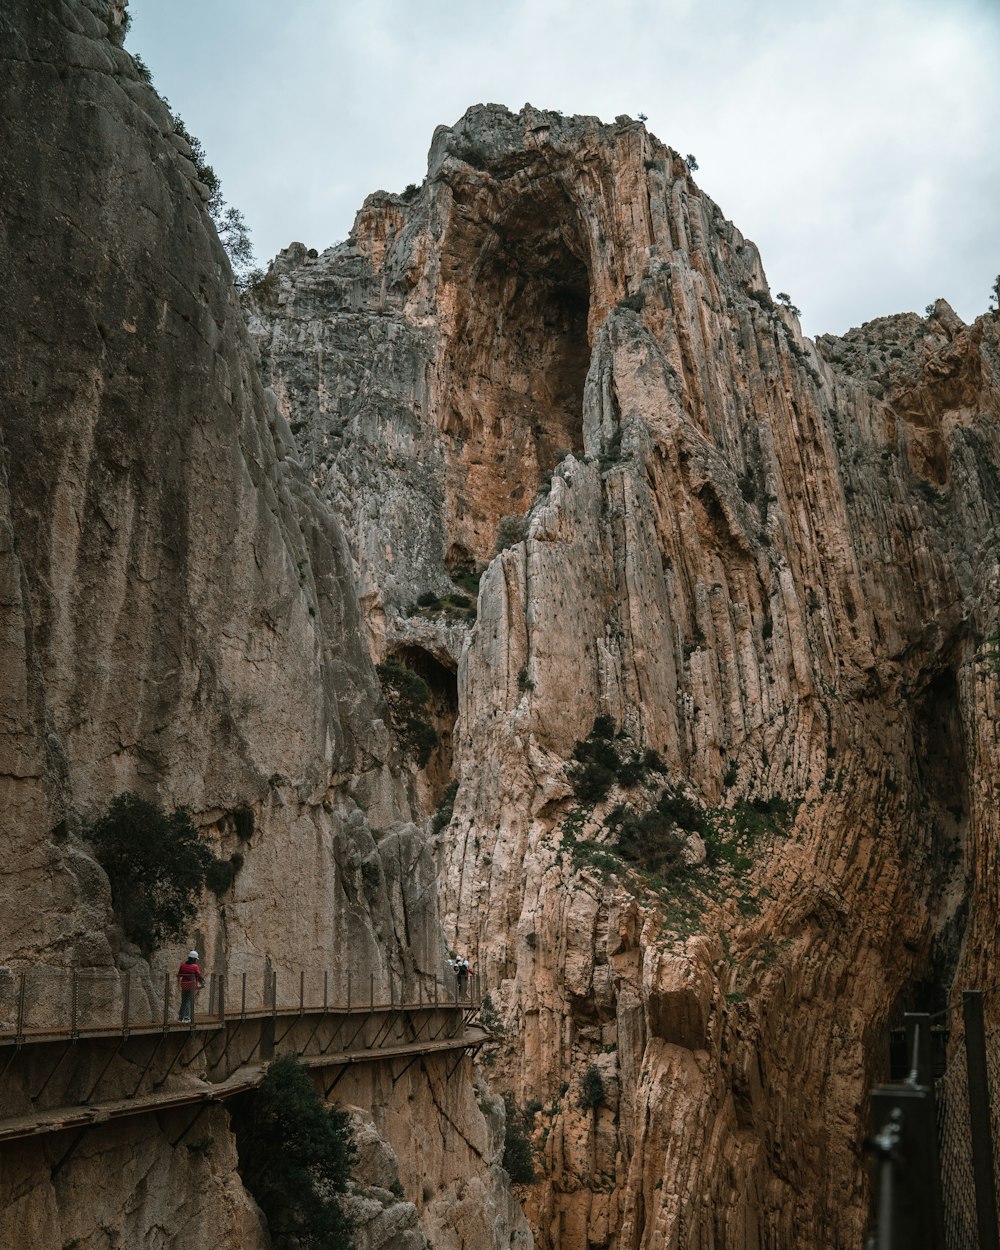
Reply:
x=70, y=1002
x=82, y=1046
x=934, y=1143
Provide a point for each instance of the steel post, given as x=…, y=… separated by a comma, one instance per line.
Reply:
x=913, y=1209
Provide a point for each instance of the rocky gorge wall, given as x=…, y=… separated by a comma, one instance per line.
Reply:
x=767, y=564
x=178, y=617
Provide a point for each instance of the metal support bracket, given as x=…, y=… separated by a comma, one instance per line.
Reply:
x=54, y=1069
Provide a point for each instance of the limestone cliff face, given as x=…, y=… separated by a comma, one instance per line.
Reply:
x=177, y=617
x=770, y=561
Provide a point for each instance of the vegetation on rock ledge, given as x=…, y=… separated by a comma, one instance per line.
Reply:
x=295, y=1158
x=518, y=1158
x=157, y=865
x=408, y=695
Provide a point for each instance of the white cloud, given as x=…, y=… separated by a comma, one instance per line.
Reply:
x=856, y=145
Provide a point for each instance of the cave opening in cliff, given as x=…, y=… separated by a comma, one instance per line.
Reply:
x=942, y=777
x=442, y=712
x=519, y=357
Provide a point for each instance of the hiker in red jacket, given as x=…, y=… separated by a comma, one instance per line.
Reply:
x=190, y=978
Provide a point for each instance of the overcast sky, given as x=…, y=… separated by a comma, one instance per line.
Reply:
x=857, y=143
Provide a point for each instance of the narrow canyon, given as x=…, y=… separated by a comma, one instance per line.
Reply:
x=700, y=616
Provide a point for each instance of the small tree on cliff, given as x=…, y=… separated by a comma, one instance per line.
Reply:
x=295, y=1158
x=592, y=1091
x=784, y=298
x=156, y=865
x=518, y=1158
x=408, y=695
x=995, y=296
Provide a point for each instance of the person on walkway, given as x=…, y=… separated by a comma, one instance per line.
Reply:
x=191, y=980
x=462, y=974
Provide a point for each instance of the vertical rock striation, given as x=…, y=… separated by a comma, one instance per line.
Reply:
x=771, y=562
x=178, y=617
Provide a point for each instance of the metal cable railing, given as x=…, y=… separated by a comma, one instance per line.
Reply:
x=75, y=1001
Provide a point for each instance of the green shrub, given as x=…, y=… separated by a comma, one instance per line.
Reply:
x=612, y=452
x=784, y=298
x=598, y=764
x=656, y=840
x=156, y=865
x=243, y=821
x=456, y=606
x=651, y=841
x=264, y=287
x=371, y=878
x=295, y=1157
x=518, y=1158
x=467, y=578
x=510, y=531
x=592, y=1089
x=407, y=695
x=142, y=69
x=682, y=812
x=446, y=809
x=596, y=769
x=422, y=738
x=221, y=873
x=632, y=771
x=635, y=303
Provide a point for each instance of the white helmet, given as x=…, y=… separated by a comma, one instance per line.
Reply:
x=192, y=954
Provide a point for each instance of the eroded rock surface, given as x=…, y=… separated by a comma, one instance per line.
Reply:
x=771, y=562
x=178, y=617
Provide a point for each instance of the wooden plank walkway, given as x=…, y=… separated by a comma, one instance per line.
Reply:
x=243, y=1079
x=216, y=1022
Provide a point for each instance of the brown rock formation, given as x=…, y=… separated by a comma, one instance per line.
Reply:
x=177, y=617
x=767, y=560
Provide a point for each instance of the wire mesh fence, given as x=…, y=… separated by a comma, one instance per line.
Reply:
x=935, y=1141
x=993, y=1074
x=958, y=1187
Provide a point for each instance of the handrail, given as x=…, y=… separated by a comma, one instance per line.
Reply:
x=49, y=1003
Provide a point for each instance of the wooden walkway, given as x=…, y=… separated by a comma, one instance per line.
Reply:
x=52, y=1069
x=245, y=1078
